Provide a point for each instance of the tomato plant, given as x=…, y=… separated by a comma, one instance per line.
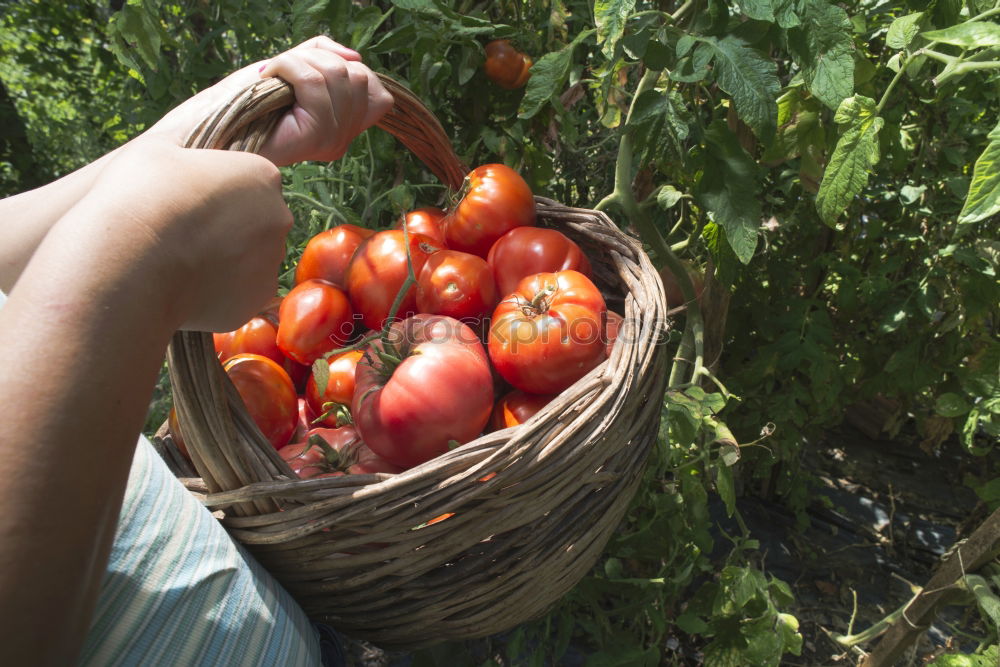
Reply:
x=516, y=408
x=315, y=318
x=456, y=284
x=378, y=271
x=524, y=251
x=327, y=254
x=268, y=394
x=506, y=66
x=547, y=334
x=428, y=386
x=496, y=199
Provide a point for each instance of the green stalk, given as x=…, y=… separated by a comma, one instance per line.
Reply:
x=693, y=339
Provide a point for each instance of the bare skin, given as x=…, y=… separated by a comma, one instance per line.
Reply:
x=101, y=268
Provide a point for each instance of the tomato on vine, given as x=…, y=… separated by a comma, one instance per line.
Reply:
x=506, y=66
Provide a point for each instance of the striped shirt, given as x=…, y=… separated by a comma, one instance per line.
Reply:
x=179, y=591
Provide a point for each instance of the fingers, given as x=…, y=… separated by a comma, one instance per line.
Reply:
x=336, y=99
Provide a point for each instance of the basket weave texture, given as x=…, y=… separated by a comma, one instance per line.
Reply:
x=362, y=552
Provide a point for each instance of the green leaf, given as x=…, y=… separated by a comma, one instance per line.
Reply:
x=691, y=623
x=610, y=16
x=760, y=10
x=729, y=189
x=988, y=601
x=321, y=373
x=983, y=199
x=823, y=47
x=548, y=77
x=751, y=79
x=991, y=658
x=856, y=153
x=903, y=30
x=724, y=485
x=668, y=196
x=951, y=405
x=968, y=35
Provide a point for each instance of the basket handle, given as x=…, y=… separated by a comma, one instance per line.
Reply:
x=227, y=449
x=246, y=120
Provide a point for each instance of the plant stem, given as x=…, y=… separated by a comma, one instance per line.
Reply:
x=693, y=339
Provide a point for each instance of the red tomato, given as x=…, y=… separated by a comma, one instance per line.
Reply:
x=315, y=318
x=496, y=200
x=441, y=391
x=548, y=334
x=378, y=271
x=327, y=452
x=304, y=422
x=298, y=372
x=525, y=251
x=173, y=426
x=327, y=254
x=456, y=284
x=516, y=408
x=268, y=394
x=612, y=325
x=506, y=66
x=426, y=221
x=339, y=386
x=255, y=337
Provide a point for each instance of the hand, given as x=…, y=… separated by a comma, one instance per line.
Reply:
x=336, y=98
x=204, y=227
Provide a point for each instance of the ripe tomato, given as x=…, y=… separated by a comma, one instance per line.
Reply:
x=173, y=426
x=496, y=200
x=339, y=386
x=547, y=334
x=327, y=254
x=257, y=336
x=268, y=394
x=458, y=285
x=325, y=452
x=315, y=318
x=525, y=251
x=440, y=391
x=426, y=221
x=612, y=326
x=506, y=66
x=304, y=423
x=378, y=271
x=516, y=408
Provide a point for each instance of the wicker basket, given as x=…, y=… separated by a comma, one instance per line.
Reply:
x=362, y=552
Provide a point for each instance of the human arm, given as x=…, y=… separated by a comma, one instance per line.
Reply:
x=167, y=237
x=336, y=98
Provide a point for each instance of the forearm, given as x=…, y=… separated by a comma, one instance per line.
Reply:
x=81, y=343
x=27, y=217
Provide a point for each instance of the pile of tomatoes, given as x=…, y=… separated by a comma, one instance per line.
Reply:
x=393, y=345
